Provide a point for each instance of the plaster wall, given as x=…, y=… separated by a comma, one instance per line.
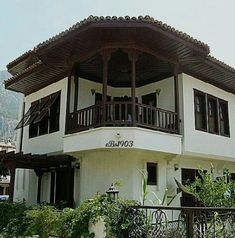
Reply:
x=139, y=138
x=201, y=143
x=99, y=169
x=165, y=99
x=39, y=144
x=25, y=186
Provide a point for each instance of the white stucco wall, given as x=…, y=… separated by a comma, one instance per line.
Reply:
x=39, y=144
x=165, y=100
x=201, y=143
x=99, y=169
x=139, y=138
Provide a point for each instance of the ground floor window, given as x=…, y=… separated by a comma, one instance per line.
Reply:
x=152, y=173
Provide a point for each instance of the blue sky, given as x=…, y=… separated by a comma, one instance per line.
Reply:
x=25, y=23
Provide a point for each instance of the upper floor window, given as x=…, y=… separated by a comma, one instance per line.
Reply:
x=200, y=111
x=45, y=119
x=224, y=120
x=43, y=116
x=211, y=114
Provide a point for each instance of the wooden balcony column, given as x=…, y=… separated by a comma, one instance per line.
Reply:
x=106, y=55
x=133, y=57
x=72, y=88
x=176, y=87
x=39, y=173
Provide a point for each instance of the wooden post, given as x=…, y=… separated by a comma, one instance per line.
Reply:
x=133, y=57
x=106, y=54
x=189, y=223
x=39, y=173
x=176, y=86
x=52, y=191
x=12, y=169
x=76, y=85
x=68, y=119
x=22, y=130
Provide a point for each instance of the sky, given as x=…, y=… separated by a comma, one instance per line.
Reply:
x=25, y=23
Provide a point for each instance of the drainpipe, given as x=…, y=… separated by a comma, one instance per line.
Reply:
x=22, y=129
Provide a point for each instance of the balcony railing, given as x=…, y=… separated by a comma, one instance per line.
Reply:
x=120, y=114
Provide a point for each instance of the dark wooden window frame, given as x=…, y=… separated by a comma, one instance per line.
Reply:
x=199, y=93
x=216, y=131
x=46, y=118
x=221, y=101
x=152, y=182
x=218, y=113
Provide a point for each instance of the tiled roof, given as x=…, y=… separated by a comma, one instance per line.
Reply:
x=126, y=19
x=31, y=67
x=15, y=61
x=221, y=63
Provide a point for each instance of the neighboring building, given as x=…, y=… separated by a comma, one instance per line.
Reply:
x=7, y=146
x=4, y=185
x=5, y=180
x=110, y=97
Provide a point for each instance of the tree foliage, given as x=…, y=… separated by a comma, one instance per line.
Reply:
x=214, y=191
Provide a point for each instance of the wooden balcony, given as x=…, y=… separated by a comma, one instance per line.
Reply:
x=118, y=114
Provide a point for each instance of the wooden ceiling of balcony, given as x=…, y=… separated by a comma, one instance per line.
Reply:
x=148, y=69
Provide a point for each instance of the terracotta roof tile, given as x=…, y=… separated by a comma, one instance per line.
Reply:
x=15, y=61
x=31, y=67
x=221, y=63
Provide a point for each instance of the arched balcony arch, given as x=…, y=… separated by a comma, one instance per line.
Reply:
x=119, y=91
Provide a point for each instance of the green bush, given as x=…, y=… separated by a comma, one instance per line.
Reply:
x=120, y=218
x=13, y=221
x=212, y=191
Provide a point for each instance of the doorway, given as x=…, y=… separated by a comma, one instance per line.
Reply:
x=188, y=176
x=62, y=187
x=148, y=113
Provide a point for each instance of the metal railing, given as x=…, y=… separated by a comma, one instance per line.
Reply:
x=177, y=222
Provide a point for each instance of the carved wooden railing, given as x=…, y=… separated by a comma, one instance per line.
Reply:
x=120, y=114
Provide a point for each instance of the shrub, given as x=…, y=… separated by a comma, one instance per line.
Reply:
x=121, y=219
x=43, y=221
x=13, y=222
x=212, y=191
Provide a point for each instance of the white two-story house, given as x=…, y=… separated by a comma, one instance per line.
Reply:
x=111, y=97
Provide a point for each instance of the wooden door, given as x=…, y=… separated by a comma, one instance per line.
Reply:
x=188, y=176
x=64, y=191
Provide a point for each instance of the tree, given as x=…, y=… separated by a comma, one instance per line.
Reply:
x=213, y=191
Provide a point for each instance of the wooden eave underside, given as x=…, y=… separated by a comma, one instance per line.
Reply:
x=59, y=60
x=35, y=161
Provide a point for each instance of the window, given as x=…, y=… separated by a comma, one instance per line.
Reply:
x=211, y=114
x=200, y=111
x=152, y=173
x=224, y=121
x=45, y=118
